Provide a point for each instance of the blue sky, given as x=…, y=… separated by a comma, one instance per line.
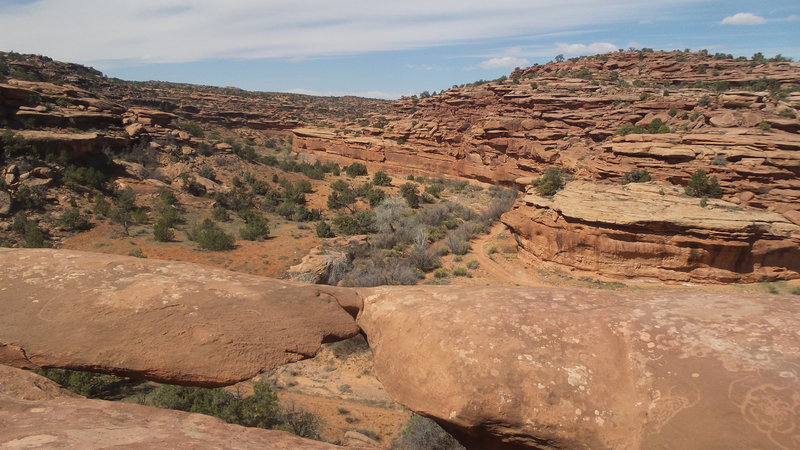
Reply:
x=371, y=47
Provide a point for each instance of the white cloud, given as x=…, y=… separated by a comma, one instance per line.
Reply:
x=421, y=67
x=743, y=18
x=585, y=49
x=91, y=31
x=503, y=62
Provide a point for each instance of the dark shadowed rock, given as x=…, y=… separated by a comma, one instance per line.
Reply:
x=548, y=368
x=164, y=321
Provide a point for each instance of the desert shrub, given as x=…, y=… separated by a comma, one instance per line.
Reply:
x=207, y=172
x=705, y=100
x=32, y=236
x=87, y=384
x=472, y=265
x=502, y=201
x=300, y=422
x=764, y=126
x=421, y=432
x=355, y=170
x=73, y=220
x=209, y=236
x=220, y=214
x=162, y=231
x=672, y=112
x=458, y=242
x=788, y=113
x=460, y=271
x=256, y=228
x=434, y=189
x=236, y=200
x=28, y=198
x=636, y=176
x=362, y=222
x=192, y=128
x=260, y=410
x=423, y=258
x=375, y=197
x=102, y=206
x=410, y=192
x=381, y=179
x=550, y=182
x=324, y=230
x=189, y=184
x=701, y=185
x=75, y=176
x=379, y=270
x=137, y=253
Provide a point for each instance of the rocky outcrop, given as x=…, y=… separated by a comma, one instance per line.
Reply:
x=75, y=145
x=35, y=412
x=647, y=230
x=163, y=321
x=553, y=368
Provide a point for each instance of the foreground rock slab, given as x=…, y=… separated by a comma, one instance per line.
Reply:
x=36, y=413
x=547, y=368
x=163, y=321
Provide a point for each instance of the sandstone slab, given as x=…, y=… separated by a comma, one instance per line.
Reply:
x=553, y=368
x=164, y=321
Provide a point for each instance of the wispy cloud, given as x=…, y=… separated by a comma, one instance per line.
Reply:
x=503, y=62
x=585, y=49
x=196, y=30
x=366, y=94
x=743, y=18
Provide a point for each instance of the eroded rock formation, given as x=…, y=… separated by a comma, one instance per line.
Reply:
x=552, y=368
x=164, y=321
x=646, y=230
x=36, y=413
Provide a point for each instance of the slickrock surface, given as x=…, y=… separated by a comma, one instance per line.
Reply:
x=164, y=321
x=651, y=230
x=36, y=413
x=547, y=368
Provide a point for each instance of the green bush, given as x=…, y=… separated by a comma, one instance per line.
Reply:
x=381, y=179
x=460, y=272
x=701, y=185
x=764, y=126
x=32, y=235
x=29, y=198
x=209, y=236
x=256, y=228
x=162, y=231
x=87, y=384
x=207, y=172
x=192, y=128
x=220, y=214
x=636, y=176
x=355, y=170
x=84, y=176
x=73, y=220
x=550, y=182
x=705, y=100
x=324, y=230
x=410, y=192
x=362, y=222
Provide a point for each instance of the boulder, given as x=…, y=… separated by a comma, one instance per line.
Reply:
x=35, y=412
x=5, y=203
x=555, y=368
x=164, y=321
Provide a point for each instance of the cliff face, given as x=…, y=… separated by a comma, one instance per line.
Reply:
x=670, y=113
x=646, y=230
